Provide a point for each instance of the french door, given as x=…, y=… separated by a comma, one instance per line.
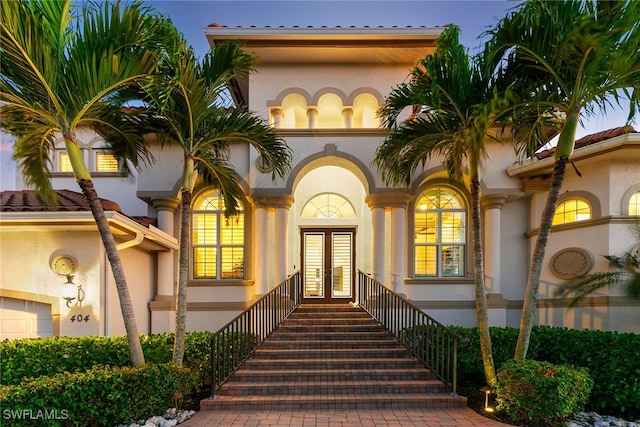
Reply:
x=328, y=257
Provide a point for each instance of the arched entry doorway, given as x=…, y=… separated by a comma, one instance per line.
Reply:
x=332, y=226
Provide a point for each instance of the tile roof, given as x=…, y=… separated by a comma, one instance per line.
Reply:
x=591, y=139
x=32, y=201
x=68, y=201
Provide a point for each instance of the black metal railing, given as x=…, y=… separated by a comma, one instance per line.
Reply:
x=435, y=345
x=238, y=339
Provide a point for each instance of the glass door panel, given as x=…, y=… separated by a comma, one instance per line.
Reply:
x=314, y=265
x=341, y=264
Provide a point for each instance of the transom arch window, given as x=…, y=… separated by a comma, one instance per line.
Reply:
x=328, y=206
x=440, y=235
x=634, y=204
x=218, y=245
x=572, y=210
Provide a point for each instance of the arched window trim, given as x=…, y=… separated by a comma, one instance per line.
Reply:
x=579, y=211
x=455, y=265
x=218, y=244
x=627, y=198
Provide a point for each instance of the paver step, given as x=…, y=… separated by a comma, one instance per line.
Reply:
x=315, y=328
x=295, y=355
x=393, y=363
x=304, y=387
x=329, y=344
x=277, y=375
x=364, y=401
x=284, y=335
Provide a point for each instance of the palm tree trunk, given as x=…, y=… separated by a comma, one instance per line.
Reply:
x=135, y=348
x=481, y=296
x=533, y=281
x=181, y=298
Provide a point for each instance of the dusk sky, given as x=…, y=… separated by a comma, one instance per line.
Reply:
x=472, y=16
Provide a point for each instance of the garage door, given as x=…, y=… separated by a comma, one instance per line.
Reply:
x=24, y=319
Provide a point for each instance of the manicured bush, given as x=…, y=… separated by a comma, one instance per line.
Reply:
x=101, y=396
x=31, y=358
x=540, y=393
x=611, y=359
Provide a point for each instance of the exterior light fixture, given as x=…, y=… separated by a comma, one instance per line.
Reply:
x=487, y=391
x=65, y=266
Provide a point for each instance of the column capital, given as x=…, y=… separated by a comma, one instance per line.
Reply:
x=170, y=204
x=388, y=200
x=493, y=201
x=273, y=200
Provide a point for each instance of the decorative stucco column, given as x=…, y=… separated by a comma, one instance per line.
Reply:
x=377, y=236
x=271, y=250
x=282, y=204
x=492, y=206
x=347, y=117
x=163, y=305
x=312, y=116
x=278, y=115
x=261, y=235
x=397, y=203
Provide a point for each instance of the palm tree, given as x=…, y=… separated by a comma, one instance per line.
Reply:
x=60, y=71
x=195, y=120
x=625, y=273
x=564, y=59
x=454, y=99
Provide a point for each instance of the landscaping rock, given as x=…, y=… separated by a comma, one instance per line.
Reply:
x=592, y=419
x=171, y=418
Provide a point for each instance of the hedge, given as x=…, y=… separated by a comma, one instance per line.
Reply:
x=27, y=359
x=611, y=358
x=101, y=396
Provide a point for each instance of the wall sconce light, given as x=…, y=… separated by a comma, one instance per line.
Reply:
x=79, y=295
x=66, y=265
x=487, y=391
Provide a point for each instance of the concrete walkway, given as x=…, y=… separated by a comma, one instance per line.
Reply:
x=342, y=418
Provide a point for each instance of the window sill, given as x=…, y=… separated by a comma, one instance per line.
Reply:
x=220, y=282
x=439, y=281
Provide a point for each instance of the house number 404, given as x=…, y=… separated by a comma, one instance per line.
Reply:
x=80, y=318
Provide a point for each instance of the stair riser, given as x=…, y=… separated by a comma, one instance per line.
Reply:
x=336, y=404
x=256, y=364
x=298, y=356
x=257, y=377
x=330, y=345
x=315, y=390
x=322, y=337
x=340, y=329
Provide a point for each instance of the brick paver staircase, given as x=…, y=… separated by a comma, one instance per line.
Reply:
x=332, y=357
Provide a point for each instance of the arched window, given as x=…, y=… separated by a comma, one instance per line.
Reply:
x=440, y=233
x=634, y=204
x=217, y=242
x=572, y=210
x=328, y=206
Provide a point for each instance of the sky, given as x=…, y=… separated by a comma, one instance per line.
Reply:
x=191, y=17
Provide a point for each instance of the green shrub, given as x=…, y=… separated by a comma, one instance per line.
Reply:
x=610, y=357
x=101, y=396
x=31, y=358
x=540, y=393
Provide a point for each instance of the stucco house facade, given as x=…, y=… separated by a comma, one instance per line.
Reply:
x=331, y=217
